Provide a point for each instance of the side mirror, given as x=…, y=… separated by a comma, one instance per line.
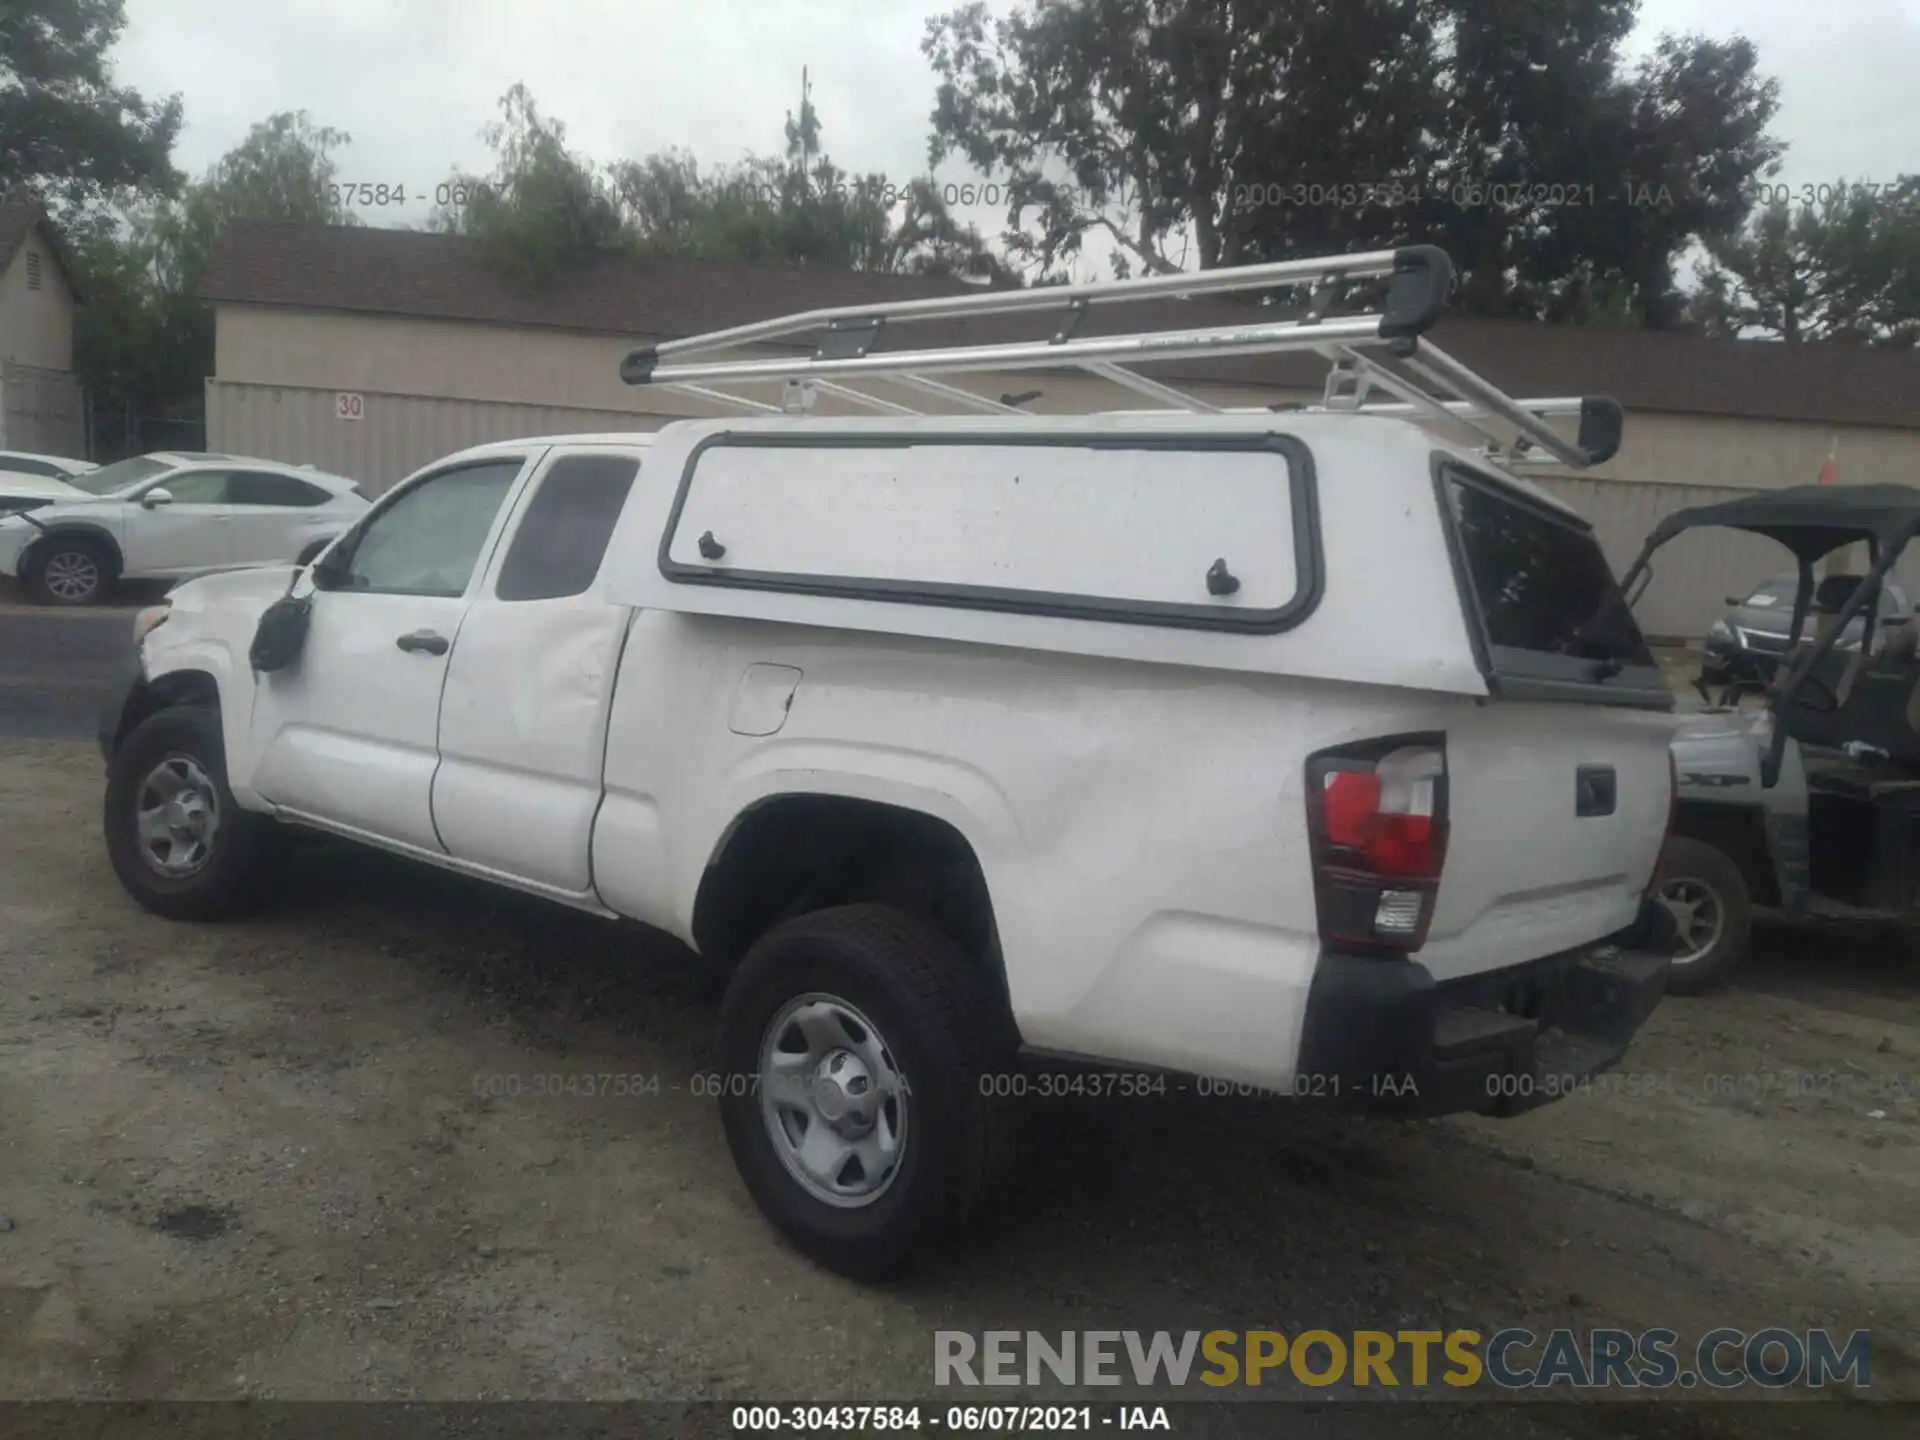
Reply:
x=159, y=495
x=1735, y=601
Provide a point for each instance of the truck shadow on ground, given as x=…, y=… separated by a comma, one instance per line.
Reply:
x=1096, y=1169
x=1179, y=1213
x=1188, y=1204
x=1825, y=961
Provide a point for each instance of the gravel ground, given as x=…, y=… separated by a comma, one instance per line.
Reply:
x=259, y=1160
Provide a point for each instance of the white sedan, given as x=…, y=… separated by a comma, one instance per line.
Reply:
x=28, y=481
x=169, y=515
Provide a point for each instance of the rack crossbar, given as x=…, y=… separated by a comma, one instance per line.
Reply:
x=1382, y=350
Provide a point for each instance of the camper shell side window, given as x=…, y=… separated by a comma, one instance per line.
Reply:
x=1547, y=615
x=1188, y=531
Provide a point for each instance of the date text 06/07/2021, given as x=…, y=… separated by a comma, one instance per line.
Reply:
x=961, y=1419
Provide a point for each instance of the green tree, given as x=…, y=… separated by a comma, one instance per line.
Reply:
x=66, y=129
x=1843, y=264
x=1212, y=132
x=1174, y=126
x=545, y=207
x=143, y=341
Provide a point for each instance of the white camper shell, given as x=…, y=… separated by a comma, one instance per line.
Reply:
x=1311, y=751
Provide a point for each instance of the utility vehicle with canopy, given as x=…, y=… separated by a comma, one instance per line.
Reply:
x=1810, y=805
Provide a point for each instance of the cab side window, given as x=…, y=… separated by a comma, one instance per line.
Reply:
x=563, y=535
x=428, y=541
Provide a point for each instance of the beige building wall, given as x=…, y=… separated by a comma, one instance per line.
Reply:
x=428, y=388
x=556, y=368
x=36, y=326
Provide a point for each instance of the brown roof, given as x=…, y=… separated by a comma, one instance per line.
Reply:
x=432, y=276
x=17, y=220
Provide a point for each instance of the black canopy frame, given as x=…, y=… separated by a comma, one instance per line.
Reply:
x=1811, y=521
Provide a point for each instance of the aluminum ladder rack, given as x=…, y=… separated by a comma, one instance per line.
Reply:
x=1378, y=351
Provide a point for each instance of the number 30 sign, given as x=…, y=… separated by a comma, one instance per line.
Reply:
x=347, y=406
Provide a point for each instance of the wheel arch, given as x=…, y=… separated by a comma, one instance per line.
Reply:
x=202, y=671
x=148, y=697
x=76, y=530
x=1739, y=832
x=794, y=851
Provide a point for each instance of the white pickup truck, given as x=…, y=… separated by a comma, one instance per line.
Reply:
x=1305, y=752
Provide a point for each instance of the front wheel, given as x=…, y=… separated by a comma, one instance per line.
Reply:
x=853, y=1043
x=178, y=842
x=70, y=571
x=1704, y=892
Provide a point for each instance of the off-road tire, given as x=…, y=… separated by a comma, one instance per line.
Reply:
x=51, y=552
x=931, y=1003
x=244, y=848
x=1702, y=864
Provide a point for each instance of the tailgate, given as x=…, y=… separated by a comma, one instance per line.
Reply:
x=1556, y=818
x=1559, y=791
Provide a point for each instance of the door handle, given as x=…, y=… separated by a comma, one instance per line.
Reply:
x=424, y=640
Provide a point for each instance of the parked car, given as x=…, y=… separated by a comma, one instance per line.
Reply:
x=30, y=482
x=169, y=515
x=22, y=492
x=1225, y=752
x=26, y=462
x=1748, y=641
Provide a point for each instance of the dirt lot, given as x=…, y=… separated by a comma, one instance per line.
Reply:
x=252, y=1161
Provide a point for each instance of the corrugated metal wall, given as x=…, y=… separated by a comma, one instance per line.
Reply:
x=394, y=436
x=397, y=434
x=40, y=411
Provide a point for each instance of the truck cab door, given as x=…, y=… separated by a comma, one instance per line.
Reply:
x=529, y=690
x=348, y=735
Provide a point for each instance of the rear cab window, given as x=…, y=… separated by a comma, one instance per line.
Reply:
x=563, y=533
x=1548, y=618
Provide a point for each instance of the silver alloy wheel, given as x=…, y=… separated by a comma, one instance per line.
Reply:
x=1699, y=916
x=833, y=1101
x=71, y=574
x=176, y=815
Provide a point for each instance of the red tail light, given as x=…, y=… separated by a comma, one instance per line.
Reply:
x=1377, y=820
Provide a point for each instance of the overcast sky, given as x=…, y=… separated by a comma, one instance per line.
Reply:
x=414, y=81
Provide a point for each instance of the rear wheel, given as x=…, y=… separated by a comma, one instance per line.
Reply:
x=178, y=842
x=853, y=1043
x=1704, y=892
x=70, y=571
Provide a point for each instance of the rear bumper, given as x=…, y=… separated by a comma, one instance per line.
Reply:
x=1383, y=1035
